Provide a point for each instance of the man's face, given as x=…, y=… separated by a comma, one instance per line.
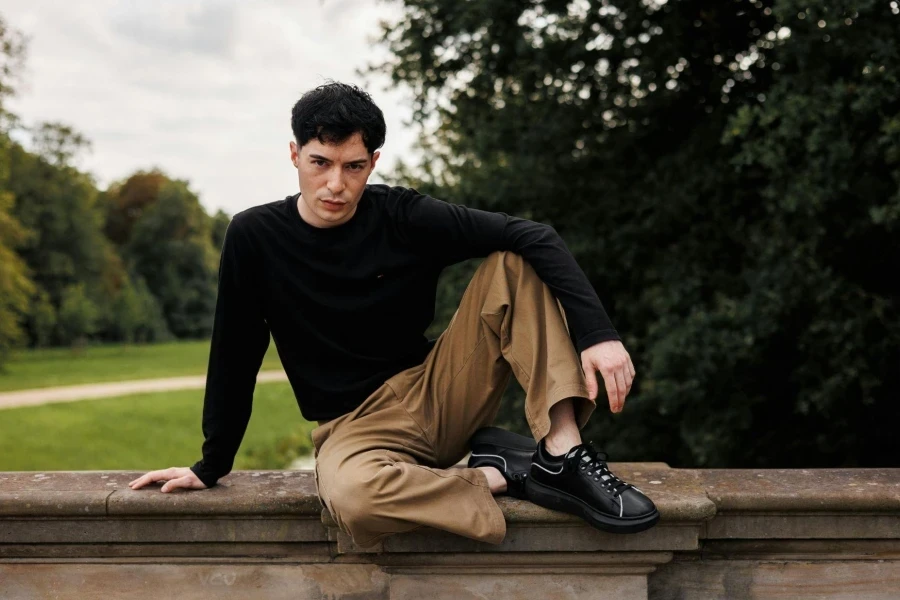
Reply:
x=332, y=179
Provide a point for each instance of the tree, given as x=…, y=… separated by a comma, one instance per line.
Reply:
x=15, y=285
x=170, y=249
x=127, y=201
x=135, y=315
x=59, y=204
x=78, y=316
x=726, y=174
x=219, y=224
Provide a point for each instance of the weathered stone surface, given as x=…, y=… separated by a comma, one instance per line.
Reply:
x=55, y=493
x=522, y=585
x=106, y=492
x=193, y=581
x=812, y=533
x=800, y=550
x=240, y=493
x=235, y=529
x=797, y=490
x=563, y=537
x=289, y=552
x=775, y=580
x=790, y=525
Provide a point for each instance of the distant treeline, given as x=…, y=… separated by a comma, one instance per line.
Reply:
x=135, y=262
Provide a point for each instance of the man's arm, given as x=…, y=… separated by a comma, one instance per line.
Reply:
x=453, y=233
x=240, y=339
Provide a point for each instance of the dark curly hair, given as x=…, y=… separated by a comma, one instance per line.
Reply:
x=333, y=112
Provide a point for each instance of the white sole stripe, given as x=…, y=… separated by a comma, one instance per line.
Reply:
x=505, y=469
x=534, y=464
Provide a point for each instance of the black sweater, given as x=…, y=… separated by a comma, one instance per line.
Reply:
x=348, y=306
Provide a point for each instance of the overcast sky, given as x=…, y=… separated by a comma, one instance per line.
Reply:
x=202, y=89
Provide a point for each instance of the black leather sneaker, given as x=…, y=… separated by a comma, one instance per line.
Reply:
x=581, y=484
x=509, y=452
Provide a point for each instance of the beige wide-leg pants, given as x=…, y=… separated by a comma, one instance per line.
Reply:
x=385, y=467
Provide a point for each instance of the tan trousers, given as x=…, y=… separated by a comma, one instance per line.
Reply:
x=385, y=467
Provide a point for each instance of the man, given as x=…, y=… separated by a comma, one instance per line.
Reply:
x=344, y=277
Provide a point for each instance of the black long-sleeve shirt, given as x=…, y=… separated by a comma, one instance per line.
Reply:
x=348, y=306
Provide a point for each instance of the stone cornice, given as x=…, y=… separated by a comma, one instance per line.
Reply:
x=712, y=522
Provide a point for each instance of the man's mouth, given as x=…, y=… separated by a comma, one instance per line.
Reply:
x=332, y=205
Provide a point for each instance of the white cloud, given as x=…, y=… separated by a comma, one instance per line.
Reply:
x=201, y=89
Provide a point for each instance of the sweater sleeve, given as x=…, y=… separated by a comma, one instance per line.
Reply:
x=452, y=233
x=240, y=338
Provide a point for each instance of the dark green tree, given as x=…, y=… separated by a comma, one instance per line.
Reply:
x=170, y=248
x=218, y=226
x=16, y=286
x=59, y=204
x=727, y=175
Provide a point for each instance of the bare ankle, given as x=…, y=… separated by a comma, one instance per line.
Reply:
x=561, y=445
x=496, y=481
x=564, y=434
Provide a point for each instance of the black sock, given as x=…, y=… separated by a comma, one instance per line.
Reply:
x=545, y=455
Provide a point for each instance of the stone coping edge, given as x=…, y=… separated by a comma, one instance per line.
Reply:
x=682, y=495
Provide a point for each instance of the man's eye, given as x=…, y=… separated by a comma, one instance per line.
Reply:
x=319, y=163
x=356, y=167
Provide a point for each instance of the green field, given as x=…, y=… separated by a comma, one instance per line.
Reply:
x=110, y=362
x=145, y=432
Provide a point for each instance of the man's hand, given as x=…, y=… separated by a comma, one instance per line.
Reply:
x=175, y=477
x=613, y=362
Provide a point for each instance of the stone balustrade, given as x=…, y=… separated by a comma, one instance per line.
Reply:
x=731, y=534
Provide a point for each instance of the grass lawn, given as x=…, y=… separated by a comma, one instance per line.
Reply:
x=145, y=432
x=51, y=367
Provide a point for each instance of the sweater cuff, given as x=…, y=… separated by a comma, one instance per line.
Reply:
x=208, y=478
x=595, y=337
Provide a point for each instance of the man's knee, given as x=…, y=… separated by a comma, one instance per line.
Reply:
x=362, y=498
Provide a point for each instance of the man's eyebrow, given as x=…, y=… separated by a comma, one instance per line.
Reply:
x=326, y=159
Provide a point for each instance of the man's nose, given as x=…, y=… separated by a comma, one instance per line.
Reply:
x=336, y=181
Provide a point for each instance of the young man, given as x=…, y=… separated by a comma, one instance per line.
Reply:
x=344, y=277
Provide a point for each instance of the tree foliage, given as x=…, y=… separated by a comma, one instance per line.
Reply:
x=16, y=286
x=171, y=249
x=726, y=174
x=134, y=263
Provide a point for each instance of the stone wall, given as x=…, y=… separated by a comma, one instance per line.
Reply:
x=731, y=534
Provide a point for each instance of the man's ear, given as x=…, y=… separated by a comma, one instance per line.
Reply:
x=375, y=156
x=295, y=154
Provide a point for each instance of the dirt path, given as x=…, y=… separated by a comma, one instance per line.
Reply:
x=91, y=391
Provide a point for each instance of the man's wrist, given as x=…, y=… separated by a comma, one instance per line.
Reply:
x=597, y=337
x=209, y=479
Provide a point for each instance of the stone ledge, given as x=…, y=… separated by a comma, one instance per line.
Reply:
x=681, y=494
x=723, y=533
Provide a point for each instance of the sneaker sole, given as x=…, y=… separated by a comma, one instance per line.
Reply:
x=554, y=499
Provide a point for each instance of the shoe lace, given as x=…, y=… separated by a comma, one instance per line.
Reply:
x=593, y=462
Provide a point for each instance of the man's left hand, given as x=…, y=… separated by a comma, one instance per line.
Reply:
x=614, y=364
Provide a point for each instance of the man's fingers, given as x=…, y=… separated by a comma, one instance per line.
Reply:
x=631, y=368
x=590, y=375
x=629, y=379
x=620, y=390
x=144, y=480
x=611, y=390
x=151, y=477
x=181, y=482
